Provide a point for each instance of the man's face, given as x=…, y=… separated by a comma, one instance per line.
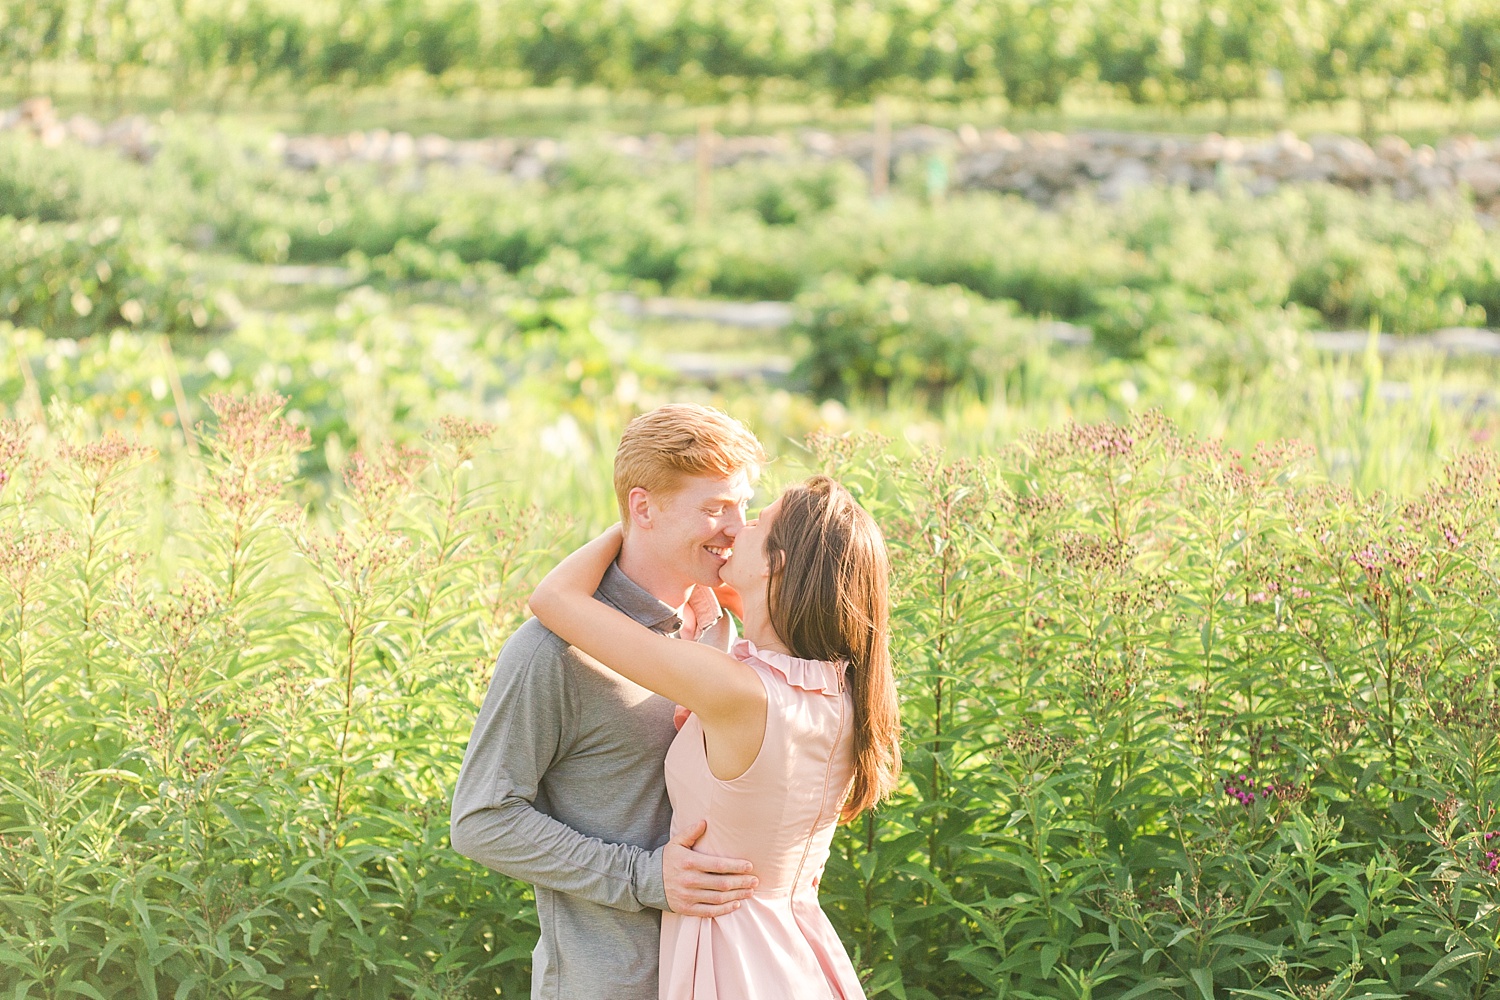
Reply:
x=748, y=567
x=692, y=529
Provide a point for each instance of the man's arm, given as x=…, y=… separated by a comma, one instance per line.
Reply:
x=730, y=699
x=518, y=735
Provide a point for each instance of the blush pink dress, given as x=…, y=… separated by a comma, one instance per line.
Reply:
x=779, y=815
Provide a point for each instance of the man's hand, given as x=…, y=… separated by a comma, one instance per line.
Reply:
x=702, y=886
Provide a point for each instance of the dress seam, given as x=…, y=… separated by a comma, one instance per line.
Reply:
x=823, y=803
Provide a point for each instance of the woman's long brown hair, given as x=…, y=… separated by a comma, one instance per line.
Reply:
x=829, y=598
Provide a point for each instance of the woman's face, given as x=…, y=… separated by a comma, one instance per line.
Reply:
x=748, y=568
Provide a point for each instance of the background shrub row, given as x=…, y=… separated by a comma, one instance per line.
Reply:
x=1220, y=275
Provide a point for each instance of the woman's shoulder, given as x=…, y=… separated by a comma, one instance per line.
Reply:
x=813, y=676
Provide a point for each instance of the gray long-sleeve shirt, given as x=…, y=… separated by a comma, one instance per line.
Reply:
x=562, y=787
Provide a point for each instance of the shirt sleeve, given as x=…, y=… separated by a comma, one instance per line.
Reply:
x=520, y=732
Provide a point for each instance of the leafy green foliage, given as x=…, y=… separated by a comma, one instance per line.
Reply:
x=251, y=832
x=1202, y=271
x=75, y=280
x=1178, y=722
x=893, y=335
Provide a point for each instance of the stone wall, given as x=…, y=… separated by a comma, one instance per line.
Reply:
x=1041, y=166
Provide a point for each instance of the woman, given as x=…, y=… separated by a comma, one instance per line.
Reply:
x=793, y=729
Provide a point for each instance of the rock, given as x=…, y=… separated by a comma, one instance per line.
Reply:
x=38, y=111
x=1289, y=148
x=431, y=148
x=1045, y=166
x=401, y=149
x=1393, y=148
x=1006, y=140
x=499, y=153
x=1127, y=176
x=1180, y=174
x=1433, y=179
x=526, y=168
x=1461, y=147
x=85, y=130
x=1203, y=179
x=920, y=139
x=630, y=145
x=373, y=149
x=1482, y=177
x=1207, y=153
x=1100, y=165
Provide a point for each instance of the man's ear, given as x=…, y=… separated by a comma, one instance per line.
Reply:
x=638, y=507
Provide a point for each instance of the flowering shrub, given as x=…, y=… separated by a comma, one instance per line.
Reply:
x=1179, y=722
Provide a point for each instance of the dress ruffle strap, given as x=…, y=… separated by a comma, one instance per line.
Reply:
x=809, y=675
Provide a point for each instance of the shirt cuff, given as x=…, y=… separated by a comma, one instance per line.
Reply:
x=650, y=885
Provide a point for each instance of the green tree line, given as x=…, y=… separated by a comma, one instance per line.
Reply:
x=1157, y=52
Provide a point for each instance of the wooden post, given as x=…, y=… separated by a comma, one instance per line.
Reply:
x=880, y=160
x=179, y=398
x=705, y=151
x=31, y=391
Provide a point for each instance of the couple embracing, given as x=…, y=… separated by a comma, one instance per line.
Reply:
x=671, y=787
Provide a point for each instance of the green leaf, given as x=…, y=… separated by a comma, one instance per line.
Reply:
x=146, y=972
x=315, y=939
x=1150, y=987
x=1448, y=963
x=1050, y=953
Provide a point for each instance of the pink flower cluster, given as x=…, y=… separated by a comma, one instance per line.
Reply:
x=1371, y=560
x=1242, y=788
x=1491, y=858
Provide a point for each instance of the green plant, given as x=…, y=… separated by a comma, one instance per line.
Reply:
x=75, y=280
x=893, y=335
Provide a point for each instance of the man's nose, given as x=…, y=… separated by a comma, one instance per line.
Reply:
x=736, y=522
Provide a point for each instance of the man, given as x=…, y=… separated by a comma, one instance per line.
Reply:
x=562, y=783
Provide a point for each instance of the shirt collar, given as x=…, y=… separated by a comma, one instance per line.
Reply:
x=623, y=593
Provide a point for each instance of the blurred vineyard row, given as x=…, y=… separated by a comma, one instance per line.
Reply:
x=1160, y=52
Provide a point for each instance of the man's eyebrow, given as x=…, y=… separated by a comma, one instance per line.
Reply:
x=729, y=500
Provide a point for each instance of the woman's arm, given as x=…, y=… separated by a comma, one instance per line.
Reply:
x=708, y=681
